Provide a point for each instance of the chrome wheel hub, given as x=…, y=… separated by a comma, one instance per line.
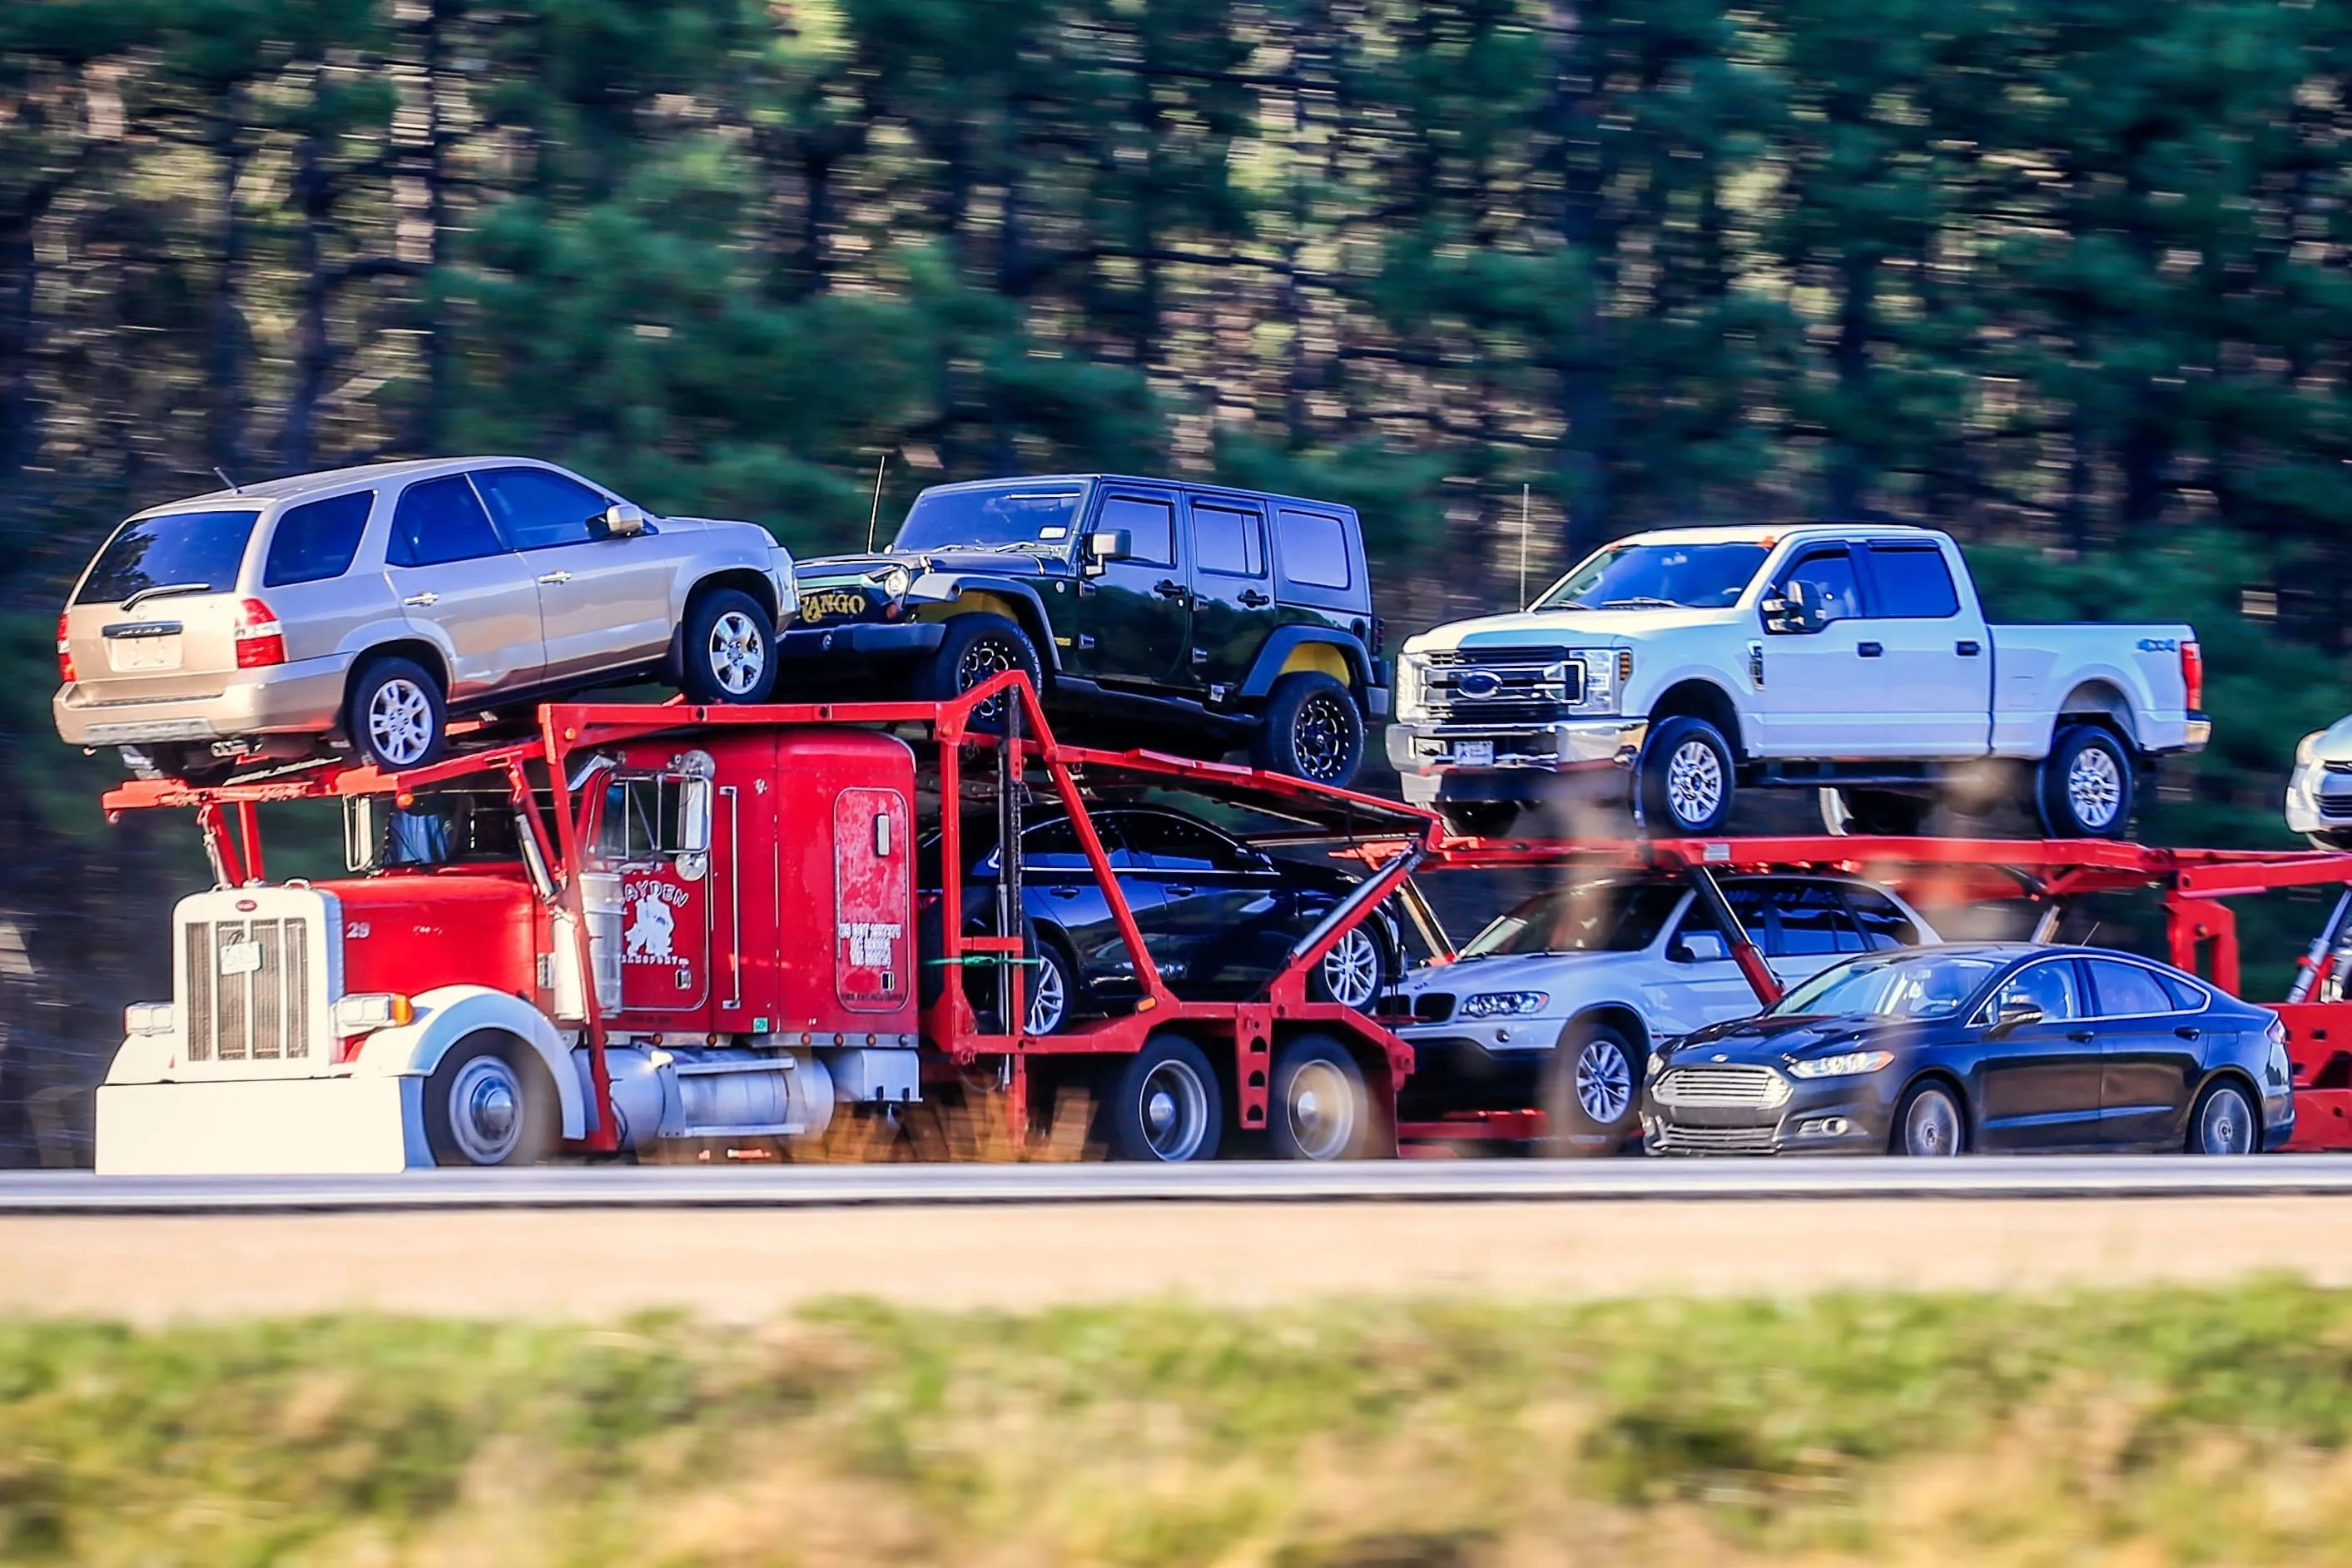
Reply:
x=738, y=653
x=2095, y=787
x=1351, y=970
x=399, y=722
x=2225, y=1127
x=1048, y=999
x=486, y=1110
x=1321, y=1112
x=1604, y=1081
x=1694, y=782
x=1932, y=1128
x=1175, y=1110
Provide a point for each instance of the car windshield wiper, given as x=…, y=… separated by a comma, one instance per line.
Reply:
x=1639, y=604
x=162, y=589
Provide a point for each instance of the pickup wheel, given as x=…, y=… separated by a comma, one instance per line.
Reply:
x=2084, y=786
x=1686, y=779
x=1311, y=728
x=1593, y=1093
x=730, y=648
x=395, y=716
x=975, y=648
x=1879, y=813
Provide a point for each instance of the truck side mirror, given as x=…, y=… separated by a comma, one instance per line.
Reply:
x=363, y=831
x=619, y=521
x=1110, y=545
x=693, y=816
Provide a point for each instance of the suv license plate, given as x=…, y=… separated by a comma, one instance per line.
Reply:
x=144, y=653
x=1473, y=753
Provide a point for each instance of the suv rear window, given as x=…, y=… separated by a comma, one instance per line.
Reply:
x=1315, y=549
x=196, y=551
x=317, y=540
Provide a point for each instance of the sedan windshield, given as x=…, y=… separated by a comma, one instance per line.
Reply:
x=181, y=552
x=1915, y=985
x=1658, y=577
x=1599, y=917
x=1006, y=517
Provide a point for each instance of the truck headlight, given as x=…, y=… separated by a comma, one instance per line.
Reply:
x=365, y=1011
x=1606, y=670
x=1503, y=1004
x=147, y=1018
x=1850, y=1064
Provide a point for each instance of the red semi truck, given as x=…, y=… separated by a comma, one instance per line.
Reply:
x=656, y=929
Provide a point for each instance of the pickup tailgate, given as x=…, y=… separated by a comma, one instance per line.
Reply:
x=2141, y=675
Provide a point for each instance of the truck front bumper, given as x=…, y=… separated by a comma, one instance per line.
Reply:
x=343, y=1125
x=863, y=639
x=1527, y=762
x=303, y=697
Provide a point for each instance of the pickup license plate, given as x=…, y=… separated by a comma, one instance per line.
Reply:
x=1473, y=753
x=142, y=653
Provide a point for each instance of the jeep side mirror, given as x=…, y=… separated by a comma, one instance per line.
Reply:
x=2014, y=1016
x=619, y=521
x=1701, y=947
x=1110, y=545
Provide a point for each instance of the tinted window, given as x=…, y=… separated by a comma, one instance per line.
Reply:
x=1599, y=917
x=1230, y=542
x=1054, y=846
x=1807, y=920
x=1174, y=844
x=1150, y=526
x=993, y=518
x=1882, y=925
x=313, y=542
x=535, y=507
x=2126, y=989
x=440, y=520
x=1828, y=585
x=2188, y=998
x=196, y=552
x=1913, y=585
x=2049, y=986
x=1746, y=902
x=1315, y=549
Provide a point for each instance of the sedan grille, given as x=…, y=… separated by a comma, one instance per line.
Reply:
x=1725, y=1088
x=1673, y=1138
x=248, y=989
x=1501, y=685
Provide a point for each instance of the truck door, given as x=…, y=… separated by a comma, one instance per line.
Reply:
x=1934, y=675
x=1233, y=588
x=872, y=900
x=1132, y=623
x=1819, y=697
x=655, y=833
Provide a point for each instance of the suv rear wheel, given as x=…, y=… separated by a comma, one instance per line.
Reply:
x=1311, y=728
x=396, y=717
x=730, y=648
x=1592, y=1091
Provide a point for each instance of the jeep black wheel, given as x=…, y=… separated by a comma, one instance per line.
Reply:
x=1311, y=728
x=977, y=648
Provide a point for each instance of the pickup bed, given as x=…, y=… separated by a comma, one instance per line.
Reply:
x=1675, y=669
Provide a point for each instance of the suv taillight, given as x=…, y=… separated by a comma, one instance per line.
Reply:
x=2192, y=673
x=260, y=640
x=65, y=651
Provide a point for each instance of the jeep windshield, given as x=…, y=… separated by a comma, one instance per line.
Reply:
x=1599, y=917
x=1040, y=518
x=1658, y=577
x=178, y=553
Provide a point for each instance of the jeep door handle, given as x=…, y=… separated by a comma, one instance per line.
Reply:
x=421, y=599
x=1869, y=649
x=557, y=577
x=1254, y=599
x=1169, y=588
x=1968, y=650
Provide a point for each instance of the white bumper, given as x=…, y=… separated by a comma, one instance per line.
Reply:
x=359, y=1125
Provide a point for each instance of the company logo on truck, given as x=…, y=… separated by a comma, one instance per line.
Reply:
x=647, y=940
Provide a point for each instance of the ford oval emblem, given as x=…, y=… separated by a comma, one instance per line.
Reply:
x=246, y=905
x=1479, y=683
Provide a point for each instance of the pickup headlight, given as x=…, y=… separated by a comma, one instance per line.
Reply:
x=1851, y=1064
x=1502, y=1003
x=1606, y=671
x=1652, y=1067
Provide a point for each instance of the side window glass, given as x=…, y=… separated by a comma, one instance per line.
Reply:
x=1052, y=847
x=642, y=819
x=1812, y=921
x=535, y=508
x=439, y=520
x=2186, y=997
x=1912, y=583
x=2049, y=986
x=1828, y=578
x=1314, y=549
x=1228, y=541
x=1172, y=844
x=1151, y=527
x=1747, y=905
x=2125, y=990
x=1882, y=925
x=316, y=541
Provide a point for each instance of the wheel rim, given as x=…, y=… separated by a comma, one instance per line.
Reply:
x=486, y=1110
x=1318, y=737
x=400, y=721
x=739, y=654
x=1351, y=971
x=1694, y=782
x=1173, y=1107
x=2094, y=786
x=1049, y=1000
x=985, y=659
x=1932, y=1127
x=1321, y=1108
x=1604, y=1081
x=2225, y=1126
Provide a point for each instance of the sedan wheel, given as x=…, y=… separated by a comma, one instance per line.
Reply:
x=1049, y=994
x=1351, y=972
x=1930, y=1125
x=2225, y=1123
x=1605, y=1080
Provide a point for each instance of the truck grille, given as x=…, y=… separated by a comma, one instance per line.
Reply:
x=1501, y=685
x=1724, y=1087
x=247, y=1008
x=1673, y=1138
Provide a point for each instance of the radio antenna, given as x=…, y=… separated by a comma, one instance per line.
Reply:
x=234, y=487
x=875, y=515
x=1522, y=546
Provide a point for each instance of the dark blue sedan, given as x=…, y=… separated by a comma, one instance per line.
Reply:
x=1980, y=1047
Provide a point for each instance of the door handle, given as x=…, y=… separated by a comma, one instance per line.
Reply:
x=2081, y=1036
x=1968, y=650
x=1181, y=890
x=1169, y=588
x=1869, y=649
x=2190, y=1032
x=557, y=577
x=1063, y=892
x=1254, y=599
x=421, y=599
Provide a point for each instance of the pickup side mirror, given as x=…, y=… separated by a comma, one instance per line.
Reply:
x=619, y=521
x=1110, y=545
x=2013, y=1017
x=1788, y=614
x=1700, y=947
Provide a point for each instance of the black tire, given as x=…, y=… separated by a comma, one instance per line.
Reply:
x=1687, y=778
x=1876, y=813
x=728, y=651
x=2088, y=772
x=1318, y=1108
x=979, y=979
x=1310, y=729
x=2224, y=1122
x=2336, y=843
x=1165, y=1104
x=1593, y=1093
x=396, y=716
x=1479, y=818
x=1930, y=1123
x=973, y=648
x=1341, y=975
x=490, y=1103
x=192, y=764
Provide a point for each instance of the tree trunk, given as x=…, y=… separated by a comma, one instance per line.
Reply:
x=225, y=354
x=1587, y=363
x=1850, y=466
x=313, y=196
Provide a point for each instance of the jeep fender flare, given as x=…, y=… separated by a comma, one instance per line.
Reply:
x=997, y=595
x=448, y=1014
x=1295, y=648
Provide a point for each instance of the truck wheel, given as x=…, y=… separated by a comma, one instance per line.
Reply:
x=2086, y=784
x=1354, y=974
x=1879, y=813
x=1321, y=1111
x=730, y=648
x=1686, y=779
x=1310, y=729
x=396, y=717
x=978, y=647
x=1165, y=1104
x=1593, y=1093
x=490, y=1103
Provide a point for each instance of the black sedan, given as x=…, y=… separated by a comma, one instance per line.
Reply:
x=1991, y=1048
x=1218, y=916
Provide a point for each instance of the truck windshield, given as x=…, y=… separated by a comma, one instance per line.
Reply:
x=1006, y=517
x=1916, y=985
x=449, y=827
x=1598, y=917
x=1658, y=577
x=184, y=552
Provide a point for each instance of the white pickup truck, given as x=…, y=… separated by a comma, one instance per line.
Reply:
x=1675, y=669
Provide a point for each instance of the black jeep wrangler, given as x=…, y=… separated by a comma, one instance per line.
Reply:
x=1171, y=615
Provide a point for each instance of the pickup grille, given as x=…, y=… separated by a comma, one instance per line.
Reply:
x=1501, y=685
x=261, y=1012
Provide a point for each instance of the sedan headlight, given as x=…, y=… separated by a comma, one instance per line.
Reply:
x=1849, y=1065
x=1502, y=1003
x=1655, y=1065
x=2307, y=748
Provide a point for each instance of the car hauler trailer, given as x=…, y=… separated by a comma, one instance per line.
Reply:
x=2193, y=885
x=649, y=930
